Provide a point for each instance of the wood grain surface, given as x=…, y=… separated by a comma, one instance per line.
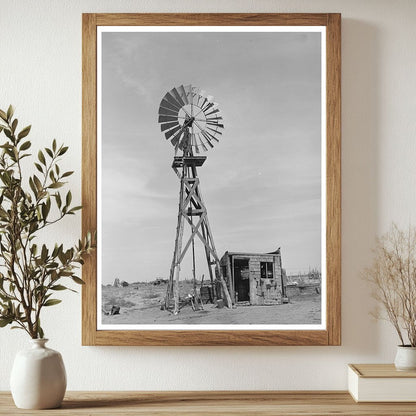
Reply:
x=212, y=403
x=380, y=371
x=332, y=334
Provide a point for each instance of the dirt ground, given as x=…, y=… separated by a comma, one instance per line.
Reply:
x=140, y=304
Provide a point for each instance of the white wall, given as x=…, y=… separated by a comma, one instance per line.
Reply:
x=40, y=73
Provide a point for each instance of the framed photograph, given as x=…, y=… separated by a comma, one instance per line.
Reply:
x=211, y=172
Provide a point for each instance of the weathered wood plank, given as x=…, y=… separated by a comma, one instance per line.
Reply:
x=333, y=242
x=211, y=19
x=89, y=173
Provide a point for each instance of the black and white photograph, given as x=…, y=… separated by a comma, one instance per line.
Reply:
x=211, y=178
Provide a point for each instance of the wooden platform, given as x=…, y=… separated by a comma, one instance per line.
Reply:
x=180, y=161
x=212, y=403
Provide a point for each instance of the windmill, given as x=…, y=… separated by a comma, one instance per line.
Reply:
x=191, y=121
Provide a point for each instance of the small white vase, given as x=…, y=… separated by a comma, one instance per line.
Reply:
x=38, y=378
x=405, y=358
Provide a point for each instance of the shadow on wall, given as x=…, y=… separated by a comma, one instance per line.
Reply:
x=360, y=180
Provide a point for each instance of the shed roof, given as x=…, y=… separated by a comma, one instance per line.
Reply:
x=248, y=254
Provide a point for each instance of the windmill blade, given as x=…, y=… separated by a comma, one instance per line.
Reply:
x=217, y=117
x=170, y=98
x=214, y=131
x=212, y=112
x=188, y=93
x=164, y=119
x=214, y=120
x=207, y=106
x=182, y=93
x=166, y=105
x=203, y=103
x=175, y=139
x=211, y=136
x=167, y=112
x=207, y=138
x=201, y=98
x=216, y=124
x=177, y=96
x=195, y=95
x=170, y=133
x=168, y=126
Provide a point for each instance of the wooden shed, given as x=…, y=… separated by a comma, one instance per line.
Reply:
x=256, y=278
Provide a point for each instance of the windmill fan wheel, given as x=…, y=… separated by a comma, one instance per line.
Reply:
x=190, y=119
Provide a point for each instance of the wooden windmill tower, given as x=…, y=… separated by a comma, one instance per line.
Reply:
x=192, y=122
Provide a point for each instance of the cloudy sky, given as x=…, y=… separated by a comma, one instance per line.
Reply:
x=261, y=183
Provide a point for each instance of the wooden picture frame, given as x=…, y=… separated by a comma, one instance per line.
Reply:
x=331, y=335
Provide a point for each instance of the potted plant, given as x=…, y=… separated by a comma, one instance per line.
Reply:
x=393, y=277
x=31, y=273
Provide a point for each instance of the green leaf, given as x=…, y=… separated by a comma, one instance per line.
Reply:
x=49, y=152
x=14, y=125
x=63, y=150
x=59, y=287
x=37, y=183
x=51, y=302
x=76, y=279
x=41, y=157
x=44, y=253
x=68, y=198
x=33, y=187
x=25, y=145
x=39, y=167
x=8, y=133
x=45, y=211
x=10, y=112
x=3, y=115
x=24, y=133
x=34, y=249
x=56, y=185
x=58, y=199
x=40, y=332
x=54, y=145
x=67, y=174
x=77, y=208
x=5, y=321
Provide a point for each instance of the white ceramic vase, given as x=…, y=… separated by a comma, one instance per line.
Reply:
x=405, y=358
x=38, y=378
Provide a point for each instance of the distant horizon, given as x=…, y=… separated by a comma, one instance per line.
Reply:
x=197, y=279
x=261, y=183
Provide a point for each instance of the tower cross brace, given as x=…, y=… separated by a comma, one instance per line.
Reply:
x=191, y=205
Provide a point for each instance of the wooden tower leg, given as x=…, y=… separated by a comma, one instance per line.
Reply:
x=173, y=285
x=209, y=263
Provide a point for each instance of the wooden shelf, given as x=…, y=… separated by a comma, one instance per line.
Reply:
x=212, y=403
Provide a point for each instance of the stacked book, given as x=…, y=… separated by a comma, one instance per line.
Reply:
x=381, y=383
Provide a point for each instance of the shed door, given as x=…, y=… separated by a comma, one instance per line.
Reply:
x=242, y=279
